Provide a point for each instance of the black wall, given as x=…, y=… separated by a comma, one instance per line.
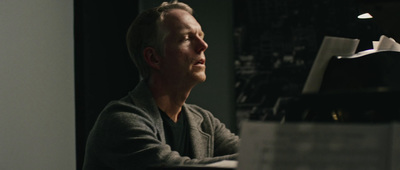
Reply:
x=103, y=69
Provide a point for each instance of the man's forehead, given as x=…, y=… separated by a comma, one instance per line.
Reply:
x=180, y=20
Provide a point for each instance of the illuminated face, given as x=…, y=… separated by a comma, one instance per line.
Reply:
x=183, y=58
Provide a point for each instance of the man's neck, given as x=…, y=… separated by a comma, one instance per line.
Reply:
x=169, y=97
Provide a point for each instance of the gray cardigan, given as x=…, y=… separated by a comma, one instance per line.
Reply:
x=129, y=134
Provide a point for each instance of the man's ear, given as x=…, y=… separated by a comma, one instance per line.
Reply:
x=151, y=57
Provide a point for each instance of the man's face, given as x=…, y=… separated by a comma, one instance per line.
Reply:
x=183, y=56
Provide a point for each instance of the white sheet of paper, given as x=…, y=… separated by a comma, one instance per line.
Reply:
x=387, y=44
x=304, y=146
x=224, y=164
x=331, y=46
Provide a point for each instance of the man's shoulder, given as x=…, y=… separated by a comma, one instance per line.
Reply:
x=124, y=103
x=124, y=109
x=136, y=102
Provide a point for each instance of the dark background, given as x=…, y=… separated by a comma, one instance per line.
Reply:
x=103, y=69
x=276, y=42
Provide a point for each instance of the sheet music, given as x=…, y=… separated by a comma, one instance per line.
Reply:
x=331, y=46
x=305, y=146
x=387, y=44
x=224, y=164
x=346, y=47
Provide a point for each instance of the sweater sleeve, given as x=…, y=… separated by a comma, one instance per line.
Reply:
x=225, y=142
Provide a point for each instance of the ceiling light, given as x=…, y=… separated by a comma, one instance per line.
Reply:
x=365, y=16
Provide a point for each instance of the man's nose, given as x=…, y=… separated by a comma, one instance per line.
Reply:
x=201, y=45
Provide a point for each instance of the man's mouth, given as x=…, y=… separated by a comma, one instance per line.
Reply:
x=200, y=62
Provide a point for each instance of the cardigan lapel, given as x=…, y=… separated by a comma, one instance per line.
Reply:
x=201, y=141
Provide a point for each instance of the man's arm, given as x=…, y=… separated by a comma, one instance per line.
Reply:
x=225, y=142
x=129, y=139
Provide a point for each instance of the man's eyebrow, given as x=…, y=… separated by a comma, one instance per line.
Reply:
x=202, y=33
x=191, y=31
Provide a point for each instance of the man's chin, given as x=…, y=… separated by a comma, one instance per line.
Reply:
x=201, y=78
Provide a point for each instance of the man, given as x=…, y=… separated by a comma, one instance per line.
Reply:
x=153, y=125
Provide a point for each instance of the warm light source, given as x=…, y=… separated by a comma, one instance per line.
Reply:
x=365, y=16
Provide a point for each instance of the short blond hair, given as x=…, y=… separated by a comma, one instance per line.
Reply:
x=145, y=32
